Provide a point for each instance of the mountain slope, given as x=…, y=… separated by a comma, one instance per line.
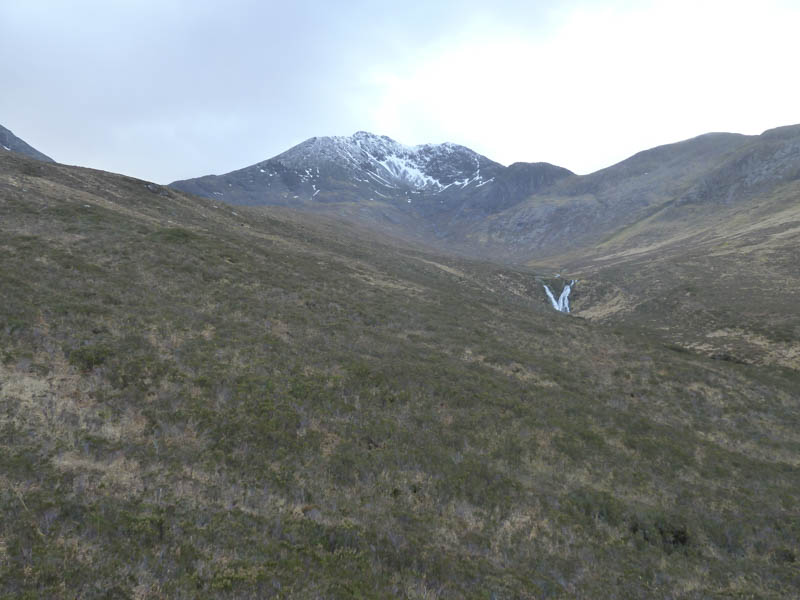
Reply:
x=716, y=278
x=11, y=143
x=651, y=191
x=199, y=400
x=710, y=267
x=583, y=210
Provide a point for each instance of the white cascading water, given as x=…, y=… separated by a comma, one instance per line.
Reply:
x=562, y=304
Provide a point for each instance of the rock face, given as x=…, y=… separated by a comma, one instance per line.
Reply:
x=11, y=143
x=434, y=185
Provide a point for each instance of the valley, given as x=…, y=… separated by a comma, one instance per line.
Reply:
x=240, y=393
x=695, y=241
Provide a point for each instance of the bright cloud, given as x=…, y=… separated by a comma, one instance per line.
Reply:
x=602, y=84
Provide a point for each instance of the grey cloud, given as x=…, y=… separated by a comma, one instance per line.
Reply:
x=168, y=90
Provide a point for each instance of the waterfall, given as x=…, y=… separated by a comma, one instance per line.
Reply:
x=562, y=304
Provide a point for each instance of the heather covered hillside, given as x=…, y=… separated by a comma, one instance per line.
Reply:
x=202, y=400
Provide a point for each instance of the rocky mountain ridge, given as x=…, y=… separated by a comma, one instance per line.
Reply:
x=11, y=143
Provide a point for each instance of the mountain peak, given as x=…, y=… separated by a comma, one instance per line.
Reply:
x=358, y=135
x=386, y=163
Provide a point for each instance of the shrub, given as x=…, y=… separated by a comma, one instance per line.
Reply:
x=87, y=358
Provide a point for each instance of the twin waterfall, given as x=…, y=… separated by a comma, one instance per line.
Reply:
x=562, y=304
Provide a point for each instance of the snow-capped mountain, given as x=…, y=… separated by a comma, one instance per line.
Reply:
x=387, y=163
x=428, y=184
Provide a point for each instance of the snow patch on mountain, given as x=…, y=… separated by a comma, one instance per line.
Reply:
x=407, y=171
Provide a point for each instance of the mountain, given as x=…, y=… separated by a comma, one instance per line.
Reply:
x=451, y=197
x=205, y=400
x=646, y=237
x=695, y=243
x=11, y=143
x=703, y=177
x=429, y=189
x=714, y=267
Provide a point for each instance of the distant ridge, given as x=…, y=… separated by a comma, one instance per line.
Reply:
x=11, y=143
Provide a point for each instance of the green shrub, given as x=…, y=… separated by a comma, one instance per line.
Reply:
x=87, y=358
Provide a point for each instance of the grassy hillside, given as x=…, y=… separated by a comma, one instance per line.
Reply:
x=205, y=401
x=723, y=280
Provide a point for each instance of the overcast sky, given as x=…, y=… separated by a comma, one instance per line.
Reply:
x=171, y=89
